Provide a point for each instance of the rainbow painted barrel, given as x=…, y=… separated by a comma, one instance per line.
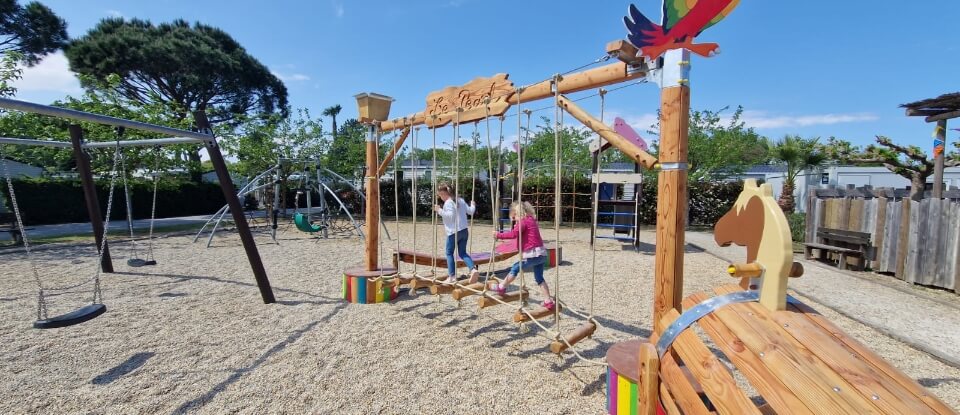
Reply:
x=362, y=286
x=623, y=375
x=554, y=254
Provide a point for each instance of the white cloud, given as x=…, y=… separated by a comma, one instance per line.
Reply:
x=51, y=74
x=338, y=8
x=762, y=120
x=290, y=77
x=114, y=13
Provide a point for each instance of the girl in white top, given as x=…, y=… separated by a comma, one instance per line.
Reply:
x=454, y=213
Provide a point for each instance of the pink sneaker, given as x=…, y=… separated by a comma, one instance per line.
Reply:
x=499, y=290
x=549, y=305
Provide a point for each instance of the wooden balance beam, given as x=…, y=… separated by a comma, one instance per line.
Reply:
x=460, y=293
x=585, y=330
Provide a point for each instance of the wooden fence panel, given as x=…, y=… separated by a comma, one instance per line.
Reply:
x=954, y=258
x=891, y=247
x=879, y=233
x=913, y=239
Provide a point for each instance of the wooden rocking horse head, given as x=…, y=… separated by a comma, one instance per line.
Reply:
x=758, y=223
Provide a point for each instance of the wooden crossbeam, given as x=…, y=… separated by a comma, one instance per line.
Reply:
x=538, y=313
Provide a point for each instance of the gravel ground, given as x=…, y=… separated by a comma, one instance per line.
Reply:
x=191, y=334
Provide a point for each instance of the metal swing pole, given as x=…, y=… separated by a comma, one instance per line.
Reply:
x=226, y=185
x=90, y=195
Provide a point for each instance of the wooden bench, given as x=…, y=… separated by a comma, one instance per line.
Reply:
x=845, y=243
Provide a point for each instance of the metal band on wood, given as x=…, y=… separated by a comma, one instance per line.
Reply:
x=673, y=166
x=702, y=310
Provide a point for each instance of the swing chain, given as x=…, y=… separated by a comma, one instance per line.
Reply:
x=41, y=301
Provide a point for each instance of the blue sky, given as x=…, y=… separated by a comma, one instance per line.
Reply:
x=814, y=68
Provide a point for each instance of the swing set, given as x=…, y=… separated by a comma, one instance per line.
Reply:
x=795, y=359
x=101, y=223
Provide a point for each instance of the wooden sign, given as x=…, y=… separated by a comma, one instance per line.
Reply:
x=470, y=99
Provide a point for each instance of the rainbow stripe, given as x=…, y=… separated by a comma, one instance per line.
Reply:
x=622, y=395
x=363, y=290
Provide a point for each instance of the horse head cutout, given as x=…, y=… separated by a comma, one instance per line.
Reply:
x=758, y=223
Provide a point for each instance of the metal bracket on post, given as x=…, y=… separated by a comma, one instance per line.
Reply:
x=672, y=69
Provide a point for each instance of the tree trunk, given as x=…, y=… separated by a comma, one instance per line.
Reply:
x=334, y=126
x=787, y=202
x=917, y=183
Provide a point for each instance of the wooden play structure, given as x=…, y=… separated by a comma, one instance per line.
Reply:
x=794, y=359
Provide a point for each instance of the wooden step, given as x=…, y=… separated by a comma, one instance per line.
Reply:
x=580, y=333
x=461, y=293
x=487, y=299
x=538, y=313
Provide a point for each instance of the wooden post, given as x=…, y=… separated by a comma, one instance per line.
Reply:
x=90, y=195
x=236, y=209
x=938, y=161
x=373, y=201
x=671, y=187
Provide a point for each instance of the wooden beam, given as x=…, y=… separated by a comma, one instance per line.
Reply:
x=671, y=202
x=922, y=113
x=537, y=313
x=90, y=195
x=624, y=51
x=938, y=158
x=393, y=152
x=943, y=116
x=583, y=331
x=620, y=142
x=594, y=78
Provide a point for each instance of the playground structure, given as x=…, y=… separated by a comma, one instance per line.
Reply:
x=321, y=180
x=796, y=360
x=79, y=147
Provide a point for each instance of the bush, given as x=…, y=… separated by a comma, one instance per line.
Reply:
x=798, y=226
x=47, y=201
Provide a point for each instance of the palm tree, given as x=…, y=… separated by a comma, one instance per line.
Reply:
x=332, y=113
x=798, y=154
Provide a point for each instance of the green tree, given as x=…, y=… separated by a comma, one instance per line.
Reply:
x=32, y=30
x=907, y=161
x=257, y=143
x=332, y=112
x=796, y=154
x=717, y=149
x=187, y=68
x=9, y=72
x=106, y=102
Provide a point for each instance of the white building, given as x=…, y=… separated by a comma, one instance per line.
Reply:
x=839, y=176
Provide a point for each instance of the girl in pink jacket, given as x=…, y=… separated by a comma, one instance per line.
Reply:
x=533, y=253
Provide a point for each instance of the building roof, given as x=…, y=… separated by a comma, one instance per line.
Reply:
x=931, y=107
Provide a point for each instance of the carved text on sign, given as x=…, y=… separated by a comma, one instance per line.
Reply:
x=472, y=96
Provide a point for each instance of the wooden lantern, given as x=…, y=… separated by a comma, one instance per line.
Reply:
x=373, y=107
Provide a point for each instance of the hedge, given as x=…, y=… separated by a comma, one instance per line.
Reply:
x=46, y=201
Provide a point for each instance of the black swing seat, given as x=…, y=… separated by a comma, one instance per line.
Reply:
x=136, y=262
x=80, y=315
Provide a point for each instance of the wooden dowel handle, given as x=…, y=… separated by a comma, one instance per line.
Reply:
x=751, y=270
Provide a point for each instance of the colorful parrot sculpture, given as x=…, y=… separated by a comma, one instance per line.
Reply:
x=683, y=20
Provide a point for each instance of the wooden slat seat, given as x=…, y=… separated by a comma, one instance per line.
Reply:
x=795, y=359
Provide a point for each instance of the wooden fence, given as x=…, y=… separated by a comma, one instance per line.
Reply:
x=918, y=242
